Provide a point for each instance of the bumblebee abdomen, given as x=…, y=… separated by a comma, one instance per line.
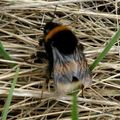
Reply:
x=70, y=69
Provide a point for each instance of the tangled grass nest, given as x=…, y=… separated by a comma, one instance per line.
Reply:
x=94, y=22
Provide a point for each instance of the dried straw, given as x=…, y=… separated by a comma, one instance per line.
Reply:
x=94, y=23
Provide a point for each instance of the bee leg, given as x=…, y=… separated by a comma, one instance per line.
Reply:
x=82, y=87
x=45, y=85
x=39, y=57
x=47, y=78
x=48, y=74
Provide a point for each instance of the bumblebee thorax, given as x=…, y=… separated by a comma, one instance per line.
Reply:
x=60, y=37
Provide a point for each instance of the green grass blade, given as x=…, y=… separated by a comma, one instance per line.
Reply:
x=5, y=55
x=74, y=107
x=9, y=98
x=105, y=51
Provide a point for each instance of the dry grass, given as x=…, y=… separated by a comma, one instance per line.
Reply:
x=94, y=22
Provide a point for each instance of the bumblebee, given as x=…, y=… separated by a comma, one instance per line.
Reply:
x=66, y=59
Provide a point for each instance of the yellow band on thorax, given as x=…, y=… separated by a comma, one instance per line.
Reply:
x=54, y=31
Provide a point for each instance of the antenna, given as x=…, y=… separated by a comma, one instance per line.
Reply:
x=54, y=13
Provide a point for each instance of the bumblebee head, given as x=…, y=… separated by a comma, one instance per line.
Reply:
x=49, y=26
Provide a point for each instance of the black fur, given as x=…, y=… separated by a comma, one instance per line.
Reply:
x=65, y=41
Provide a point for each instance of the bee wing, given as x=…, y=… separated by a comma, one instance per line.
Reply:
x=83, y=72
x=64, y=67
x=67, y=67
